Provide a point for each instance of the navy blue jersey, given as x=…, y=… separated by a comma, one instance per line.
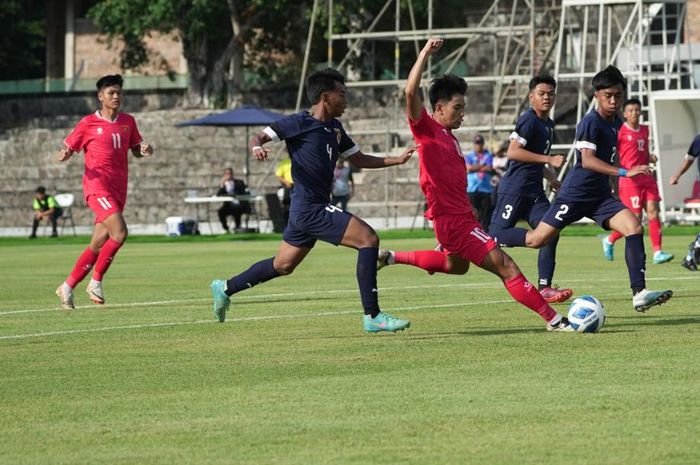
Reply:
x=314, y=147
x=535, y=135
x=694, y=149
x=596, y=133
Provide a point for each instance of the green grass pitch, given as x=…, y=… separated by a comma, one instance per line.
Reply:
x=291, y=378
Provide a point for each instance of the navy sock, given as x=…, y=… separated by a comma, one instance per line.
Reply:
x=512, y=237
x=256, y=274
x=367, y=279
x=546, y=261
x=636, y=261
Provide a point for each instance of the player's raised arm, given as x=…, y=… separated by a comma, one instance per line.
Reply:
x=517, y=152
x=414, y=102
x=362, y=160
x=256, y=145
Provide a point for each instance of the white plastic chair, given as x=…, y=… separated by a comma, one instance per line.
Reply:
x=65, y=201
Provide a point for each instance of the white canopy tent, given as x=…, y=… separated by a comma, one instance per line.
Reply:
x=675, y=121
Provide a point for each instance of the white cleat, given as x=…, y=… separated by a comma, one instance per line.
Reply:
x=94, y=290
x=383, y=258
x=645, y=299
x=66, y=295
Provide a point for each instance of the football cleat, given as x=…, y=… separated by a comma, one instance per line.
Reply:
x=563, y=326
x=689, y=264
x=94, y=290
x=221, y=300
x=554, y=294
x=662, y=257
x=66, y=295
x=384, y=322
x=608, y=249
x=645, y=299
x=383, y=258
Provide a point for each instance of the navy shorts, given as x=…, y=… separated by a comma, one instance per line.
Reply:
x=511, y=208
x=563, y=213
x=325, y=222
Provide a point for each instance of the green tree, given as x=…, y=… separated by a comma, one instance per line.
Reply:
x=217, y=35
x=23, y=40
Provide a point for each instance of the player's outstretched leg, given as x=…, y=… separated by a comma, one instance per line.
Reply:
x=500, y=264
x=221, y=291
x=431, y=261
x=546, y=262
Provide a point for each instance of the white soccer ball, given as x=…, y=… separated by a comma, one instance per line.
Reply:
x=586, y=314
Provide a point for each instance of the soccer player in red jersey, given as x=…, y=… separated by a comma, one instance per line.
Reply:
x=444, y=183
x=106, y=137
x=640, y=192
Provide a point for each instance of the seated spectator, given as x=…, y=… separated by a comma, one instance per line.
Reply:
x=45, y=208
x=343, y=184
x=233, y=187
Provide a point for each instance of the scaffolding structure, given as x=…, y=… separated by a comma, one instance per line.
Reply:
x=643, y=38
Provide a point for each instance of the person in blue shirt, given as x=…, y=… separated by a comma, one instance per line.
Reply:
x=520, y=191
x=315, y=140
x=586, y=190
x=479, y=163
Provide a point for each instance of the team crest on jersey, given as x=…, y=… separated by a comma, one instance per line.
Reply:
x=125, y=128
x=337, y=135
x=99, y=130
x=629, y=137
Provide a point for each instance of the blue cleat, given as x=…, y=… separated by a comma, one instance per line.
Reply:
x=645, y=299
x=384, y=322
x=662, y=257
x=608, y=249
x=221, y=300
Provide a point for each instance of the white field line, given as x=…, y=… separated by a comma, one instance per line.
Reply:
x=261, y=318
x=245, y=298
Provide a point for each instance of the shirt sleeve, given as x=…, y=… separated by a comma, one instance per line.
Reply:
x=286, y=128
x=694, y=150
x=421, y=126
x=470, y=159
x=77, y=139
x=587, y=136
x=347, y=146
x=52, y=202
x=135, y=138
x=35, y=205
x=524, y=130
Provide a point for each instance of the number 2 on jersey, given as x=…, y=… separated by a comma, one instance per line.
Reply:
x=562, y=211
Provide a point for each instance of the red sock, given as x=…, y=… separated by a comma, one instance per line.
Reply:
x=655, y=234
x=431, y=261
x=614, y=236
x=109, y=250
x=526, y=294
x=82, y=267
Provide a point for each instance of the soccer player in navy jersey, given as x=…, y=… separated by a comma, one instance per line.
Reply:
x=315, y=140
x=586, y=189
x=520, y=192
x=692, y=259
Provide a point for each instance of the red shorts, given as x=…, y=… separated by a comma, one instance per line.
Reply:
x=462, y=235
x=104, y=206
x=635, y=193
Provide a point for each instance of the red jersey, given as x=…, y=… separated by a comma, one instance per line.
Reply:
x=633, y=146
x=443, y=172
x=106, y=144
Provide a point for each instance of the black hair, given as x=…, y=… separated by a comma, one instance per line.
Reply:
x=632, y=101
x=609, y=77
x=110, y=80
x=543, y=79
x=41, y=190
x=322, y=81
x=445, y=87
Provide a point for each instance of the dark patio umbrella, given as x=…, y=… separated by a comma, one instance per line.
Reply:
x=246, y=115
